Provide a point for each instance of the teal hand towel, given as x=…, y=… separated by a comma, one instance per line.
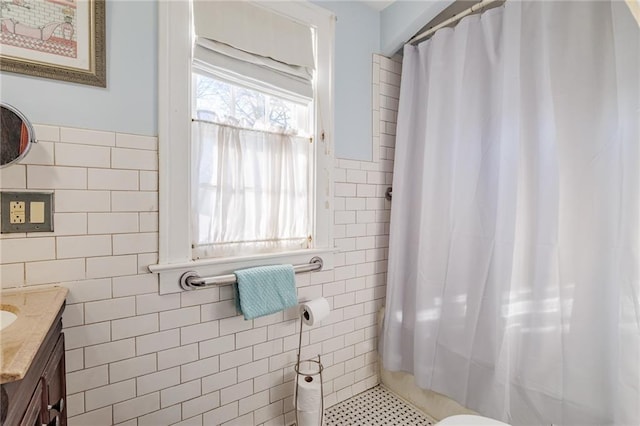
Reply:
x=266, y=290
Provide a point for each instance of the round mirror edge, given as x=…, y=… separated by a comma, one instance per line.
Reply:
x=30, y=129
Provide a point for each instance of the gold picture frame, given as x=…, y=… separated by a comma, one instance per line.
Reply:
x=57, y=39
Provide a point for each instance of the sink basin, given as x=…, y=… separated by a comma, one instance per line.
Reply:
x=6, y=319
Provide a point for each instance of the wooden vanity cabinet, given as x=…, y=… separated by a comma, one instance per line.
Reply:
x=40, y=397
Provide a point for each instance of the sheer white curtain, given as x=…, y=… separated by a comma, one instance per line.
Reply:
x=250, y=191
x=513, y=282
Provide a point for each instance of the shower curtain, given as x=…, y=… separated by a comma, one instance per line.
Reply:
x=513, y=279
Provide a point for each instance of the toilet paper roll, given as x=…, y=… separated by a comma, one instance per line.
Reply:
x=309, y=418
x=314, y=311
x=309, y=394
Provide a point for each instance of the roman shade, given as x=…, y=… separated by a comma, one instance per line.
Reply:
x=249, y=45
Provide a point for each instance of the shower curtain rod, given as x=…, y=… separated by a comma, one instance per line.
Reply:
x=484, y=3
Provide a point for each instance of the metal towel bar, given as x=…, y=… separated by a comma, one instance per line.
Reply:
x=192, y=281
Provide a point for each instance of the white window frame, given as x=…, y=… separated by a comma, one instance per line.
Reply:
x=175, y=40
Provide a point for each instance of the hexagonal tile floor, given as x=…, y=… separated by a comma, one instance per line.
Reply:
x=376, y=406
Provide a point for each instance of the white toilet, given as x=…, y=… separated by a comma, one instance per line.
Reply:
x=468, y=420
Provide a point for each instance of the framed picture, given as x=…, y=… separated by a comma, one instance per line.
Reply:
x=59, y=39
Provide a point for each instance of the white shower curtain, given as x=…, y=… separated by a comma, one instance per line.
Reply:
x=513, y=281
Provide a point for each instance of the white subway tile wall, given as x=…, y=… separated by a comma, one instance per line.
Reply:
x=137, y=358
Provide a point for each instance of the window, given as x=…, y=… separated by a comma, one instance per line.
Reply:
x=221, y=102
x=245, y=140
x=251, y=187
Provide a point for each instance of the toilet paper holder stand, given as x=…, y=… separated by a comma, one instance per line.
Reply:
x=308, y=376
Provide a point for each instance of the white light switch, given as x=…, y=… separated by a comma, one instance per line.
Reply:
x=36, y=214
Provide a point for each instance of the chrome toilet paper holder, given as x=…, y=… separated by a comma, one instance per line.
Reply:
x=308, y=376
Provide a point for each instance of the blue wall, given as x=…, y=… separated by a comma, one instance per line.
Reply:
x=403, y=19
x=357, y=39
x=128, y=104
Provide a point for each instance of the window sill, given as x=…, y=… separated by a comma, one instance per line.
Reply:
x=170, y=273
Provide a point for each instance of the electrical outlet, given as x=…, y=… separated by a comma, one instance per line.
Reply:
x=17, y=212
